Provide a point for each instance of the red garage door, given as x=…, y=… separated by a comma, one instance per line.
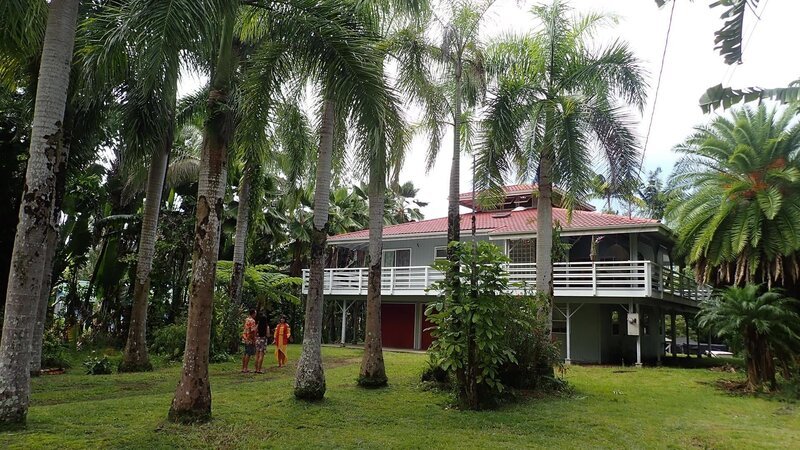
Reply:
x=397, y=325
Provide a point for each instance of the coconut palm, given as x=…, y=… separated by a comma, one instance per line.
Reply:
x=557, y=99
x=765, y=323
x=737, y=218
x=26, y=275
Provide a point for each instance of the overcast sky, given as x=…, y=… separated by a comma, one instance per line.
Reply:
x=691, y=66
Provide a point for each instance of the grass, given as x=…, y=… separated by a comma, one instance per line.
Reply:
x=611, y=407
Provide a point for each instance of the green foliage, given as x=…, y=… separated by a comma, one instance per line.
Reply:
x=475, y=326
x=170, y=341
x=262, y=284
x=737, y=205
x=558, y=96
x=527, y=333
x=97, y=365
x=54, y=352
x=767, y=324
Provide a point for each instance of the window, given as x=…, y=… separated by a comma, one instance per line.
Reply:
x=645, y=324
x=439, y=253
x=397, y=257
x=615, y=323
x=522, y=251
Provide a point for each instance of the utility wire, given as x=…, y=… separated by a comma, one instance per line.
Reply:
x=658, y=85
x=733, y=68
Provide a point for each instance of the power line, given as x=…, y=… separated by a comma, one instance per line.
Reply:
x=733, y=67
x=658, y=85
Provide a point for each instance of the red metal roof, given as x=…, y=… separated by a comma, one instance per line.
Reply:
x=519, y=192
x=502, y=222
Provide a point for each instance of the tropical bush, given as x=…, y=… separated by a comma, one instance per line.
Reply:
x=169, y=341
x=54, y=352
x=97, y=365
x=481, y=331
x=765, y=323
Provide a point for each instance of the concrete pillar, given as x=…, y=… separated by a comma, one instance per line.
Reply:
x=568, y=315
x=661, y=333
x=344, y=322
x=638, y=337
x=673, y=346
x=686, y=320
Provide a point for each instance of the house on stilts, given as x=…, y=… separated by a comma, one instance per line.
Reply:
x=614, y=293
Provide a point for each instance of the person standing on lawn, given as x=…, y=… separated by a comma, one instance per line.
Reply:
x=249, y=339
x=283, y=335
x=261, y=341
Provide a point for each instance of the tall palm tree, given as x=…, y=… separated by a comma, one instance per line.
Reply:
x=402, y=27
x=192, y=400
x=25, y=277
x=766, y=324
x=738, y=213
x=555, y=96
x=462, y=57
x=134, y=47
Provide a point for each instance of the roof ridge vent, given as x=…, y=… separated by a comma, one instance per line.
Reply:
x=501, y=215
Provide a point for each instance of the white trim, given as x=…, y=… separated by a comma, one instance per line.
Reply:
x=437, y=247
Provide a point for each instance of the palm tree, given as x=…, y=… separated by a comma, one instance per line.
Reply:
x=554, y=98
x=462, y=57
x=192, y=400
x=737, y=218
x=766, y=324
x=402, y=26
x=26, y=275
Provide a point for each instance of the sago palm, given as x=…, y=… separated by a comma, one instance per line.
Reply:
x=765, y=323
x=557, y=106
x=738, y=218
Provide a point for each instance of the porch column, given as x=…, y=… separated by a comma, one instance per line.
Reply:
x=672, y=345
x=568, y=360
x=661, y=333
x=344, y=321
x=686, y=320
x=638, y=336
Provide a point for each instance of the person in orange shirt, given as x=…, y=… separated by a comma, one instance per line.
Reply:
x=249, y=339
x=283, y=335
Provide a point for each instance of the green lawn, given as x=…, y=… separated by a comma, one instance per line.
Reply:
x=611, y=407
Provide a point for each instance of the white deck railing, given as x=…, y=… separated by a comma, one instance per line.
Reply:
x=577, y=279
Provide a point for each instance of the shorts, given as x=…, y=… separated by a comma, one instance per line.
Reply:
x=249, y=349
x=261, y=344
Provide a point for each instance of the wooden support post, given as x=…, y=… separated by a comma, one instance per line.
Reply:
x=673, y=345
x=344, y=321
x=568, y=315
x=686, y=320
x=638, y=337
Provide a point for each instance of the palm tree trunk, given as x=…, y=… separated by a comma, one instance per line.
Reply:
x=135, y=357
x=52, y=244
x=41, y=307
x=453, y=216
x=544, y=235
x=192, y=400
x=240, y=242
x=30, y=245
x=373, y=370
x=310, y=378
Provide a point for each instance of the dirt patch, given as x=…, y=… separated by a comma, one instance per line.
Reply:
x=723, y=368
